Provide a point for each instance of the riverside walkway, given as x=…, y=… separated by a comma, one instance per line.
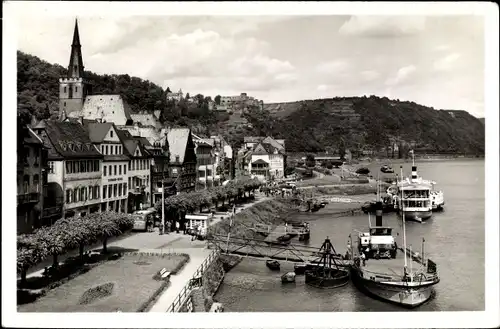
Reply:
x=152, y=242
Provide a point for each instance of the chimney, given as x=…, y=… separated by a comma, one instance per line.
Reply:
x=378, y=213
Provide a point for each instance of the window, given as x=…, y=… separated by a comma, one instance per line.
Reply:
x=115, y=190
x=82, y=194
x=106, y=149
x=133, y=164
x=129, y=180
x=65, y=102
x=124, y=169
x=109, y=191
x=68, y=167
x=119, y=169
x=111, y=133
x=68, y=196
x=97, y=189
x=116, y=149
x=75, y=195
x=111, y=149
x=104, y=192
x=90, y=163
x=36, y=182
x=129, y=166
x=74, y=164
x=51, y=167
x=104, y=168
x=82, y=164
x=125, y=187
x=26, y=183
x=119, y=189
x=114, y=169
x=91, y=193
x=65, y=91
x=76, y=89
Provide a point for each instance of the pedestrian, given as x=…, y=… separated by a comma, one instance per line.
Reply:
x=177, y=226
x=363, y=258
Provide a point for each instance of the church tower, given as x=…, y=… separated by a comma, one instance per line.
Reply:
x=73, y=88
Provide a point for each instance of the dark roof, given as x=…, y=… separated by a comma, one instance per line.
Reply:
x=97, y=131
x=130, y=143
x=31, y=138
x=70, y=140
x=260, y=161
x=116, y=157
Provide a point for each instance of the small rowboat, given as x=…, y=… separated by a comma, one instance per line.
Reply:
x=273, y=265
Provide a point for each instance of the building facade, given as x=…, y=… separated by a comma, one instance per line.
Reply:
x=182, y=159
x=31, y=180
x=74, y=169
x=205, y=162
x=139, y=171
x=114, y=183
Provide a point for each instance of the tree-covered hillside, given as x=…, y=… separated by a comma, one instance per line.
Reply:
x=371, y=123
x=357, y=123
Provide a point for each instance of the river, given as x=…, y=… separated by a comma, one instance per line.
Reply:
x=454, y=239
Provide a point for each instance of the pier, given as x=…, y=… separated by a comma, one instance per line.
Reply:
x=253, y=248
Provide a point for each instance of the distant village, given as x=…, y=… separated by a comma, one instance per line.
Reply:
x=99, y=156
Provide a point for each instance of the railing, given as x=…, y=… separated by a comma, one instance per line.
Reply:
x=186, y=291
x=28, y=198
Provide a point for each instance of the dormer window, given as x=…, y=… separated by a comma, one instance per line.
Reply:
x=111, y=133
x=177, y=159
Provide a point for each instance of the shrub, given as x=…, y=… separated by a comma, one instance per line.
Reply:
x=363, y=171
x=95, y=293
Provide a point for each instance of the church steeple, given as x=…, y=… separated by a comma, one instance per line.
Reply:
x=75, y=68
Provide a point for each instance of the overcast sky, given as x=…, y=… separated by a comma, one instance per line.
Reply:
x=436, y=61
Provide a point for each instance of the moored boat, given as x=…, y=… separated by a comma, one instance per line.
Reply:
x=273, y=265
x=288, y=277
x=377, y=271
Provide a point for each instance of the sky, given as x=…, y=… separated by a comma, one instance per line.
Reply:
x=436, y=61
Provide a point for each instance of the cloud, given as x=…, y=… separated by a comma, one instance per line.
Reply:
x=369, y=75
x=402, y=75
x=446, y=63
x=383, y=26
x=332, y=67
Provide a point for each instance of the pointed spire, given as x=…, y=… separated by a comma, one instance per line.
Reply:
x=75, y=68
x=76, y=35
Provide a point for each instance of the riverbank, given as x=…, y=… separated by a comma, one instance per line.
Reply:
x=268, y=212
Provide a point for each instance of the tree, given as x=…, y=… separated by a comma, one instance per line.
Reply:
x=310, y=161
x=187, y=96
x=217, y=99
x=168, y=90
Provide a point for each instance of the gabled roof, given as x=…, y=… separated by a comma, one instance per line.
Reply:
x=260, y=161
x=178, y=139
x=268, y=148
x=109, y=108
x=69, y=140
x=97, y=131
x=277, y=143
x=131, y=143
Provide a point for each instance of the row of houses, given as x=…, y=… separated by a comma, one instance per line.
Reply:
x=99, y=156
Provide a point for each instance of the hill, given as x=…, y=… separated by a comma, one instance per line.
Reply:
x=357, y=123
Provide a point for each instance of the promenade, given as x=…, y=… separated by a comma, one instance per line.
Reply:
x=166, y=243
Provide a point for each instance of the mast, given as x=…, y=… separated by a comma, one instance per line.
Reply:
x=411, y=265
x=403, y=213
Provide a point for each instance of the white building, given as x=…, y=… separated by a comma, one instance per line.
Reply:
x=268, y=157
x=178, y=96
x=104, y=108
x=114, y=168
x=74, y=174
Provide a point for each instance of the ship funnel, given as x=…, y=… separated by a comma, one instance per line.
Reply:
x=414, y=172
x=378, y=213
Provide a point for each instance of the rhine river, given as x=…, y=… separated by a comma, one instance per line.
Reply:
x=454, y=239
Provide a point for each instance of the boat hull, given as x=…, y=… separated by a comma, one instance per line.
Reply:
x=408, y=297
x=417, y=215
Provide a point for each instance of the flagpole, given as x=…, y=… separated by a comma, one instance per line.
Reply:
x=404, y=225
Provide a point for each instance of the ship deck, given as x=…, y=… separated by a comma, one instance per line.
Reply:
x=389, y=267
